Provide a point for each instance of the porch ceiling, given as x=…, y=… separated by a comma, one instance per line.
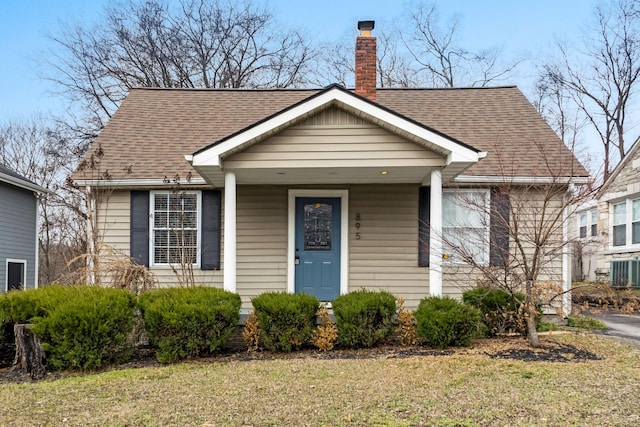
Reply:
x=335, y=175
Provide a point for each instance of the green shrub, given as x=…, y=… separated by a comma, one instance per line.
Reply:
x=87, y=330
x=24, y=306
x=287, y=321
x=502, y=312
x=80, y=327
x=444, y=321
x=585, y=322
x=547, y=326
x=188, y=322
x=364, y=318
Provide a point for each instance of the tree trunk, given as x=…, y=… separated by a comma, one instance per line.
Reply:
x=29, y=353
x=532, y=331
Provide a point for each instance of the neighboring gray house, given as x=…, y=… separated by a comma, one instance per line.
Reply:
x=18, y=231
x=619, y=222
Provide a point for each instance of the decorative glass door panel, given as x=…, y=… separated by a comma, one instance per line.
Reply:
x=317, y=252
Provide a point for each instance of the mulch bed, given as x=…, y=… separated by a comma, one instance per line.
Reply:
x=512, y=348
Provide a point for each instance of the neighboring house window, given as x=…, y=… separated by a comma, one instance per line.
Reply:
x=619, y=224
x=174, y=226
x=465, y=225
x=15, y=274
x=588, y=223
x=169, y=228
x=625, y=222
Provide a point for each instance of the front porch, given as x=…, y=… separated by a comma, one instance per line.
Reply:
x=367, y=160
x=379, y=250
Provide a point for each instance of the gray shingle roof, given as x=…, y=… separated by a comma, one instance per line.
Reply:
x=153, y=129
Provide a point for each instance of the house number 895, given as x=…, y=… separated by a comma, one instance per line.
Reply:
x=357, y=226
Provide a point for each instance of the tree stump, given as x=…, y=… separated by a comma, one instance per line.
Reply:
x=29, y=353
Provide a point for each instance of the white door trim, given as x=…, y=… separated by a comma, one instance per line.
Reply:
x=6, y=270
x=344, y=234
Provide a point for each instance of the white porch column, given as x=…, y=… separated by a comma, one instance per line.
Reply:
x=229, y=275
x=435, y=234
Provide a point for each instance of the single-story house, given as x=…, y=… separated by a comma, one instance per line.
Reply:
x=321, y=191
x=18, y=231
x=618, y=213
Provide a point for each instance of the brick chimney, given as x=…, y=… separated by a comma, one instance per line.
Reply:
x=366, y=61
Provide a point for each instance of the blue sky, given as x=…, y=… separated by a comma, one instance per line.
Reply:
x=520, y=27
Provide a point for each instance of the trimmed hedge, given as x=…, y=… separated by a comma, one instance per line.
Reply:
x=80, y=327
x=287, y=321
x=364, y=318
x=24, y=306
x=444, y=321
x=188, y=322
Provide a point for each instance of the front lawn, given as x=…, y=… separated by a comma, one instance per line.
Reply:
x=594, y=381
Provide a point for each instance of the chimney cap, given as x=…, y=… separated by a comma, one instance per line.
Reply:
x=366, y=25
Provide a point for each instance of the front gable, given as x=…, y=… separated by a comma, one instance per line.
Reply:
x=625, y=179
x=334, y=136
x=328, y=146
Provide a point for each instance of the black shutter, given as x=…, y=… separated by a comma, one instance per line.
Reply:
x=210, y=244
x=139, y=237
x=499, y=228
x=424, y=209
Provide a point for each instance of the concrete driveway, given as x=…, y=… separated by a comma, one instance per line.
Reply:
x=625, y=326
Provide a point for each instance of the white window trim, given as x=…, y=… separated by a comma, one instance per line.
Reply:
x=344, y=234
x=6, y=272
x=628, y=246
x=487, y=220
x=152, y=234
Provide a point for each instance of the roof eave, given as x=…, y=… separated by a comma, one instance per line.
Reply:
x=521, y=180
x=23, y=184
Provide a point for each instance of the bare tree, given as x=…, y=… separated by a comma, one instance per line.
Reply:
x=153, y=43
x=44, y=153
x=440, y=57
x=418, y=51
x=515, y=239
x=393, y=68
x=554, y=102
x=601, y=76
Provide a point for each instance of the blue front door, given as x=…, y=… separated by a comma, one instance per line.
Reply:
x=317, y=248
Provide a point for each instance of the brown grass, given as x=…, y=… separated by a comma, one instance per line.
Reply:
x=465, y=387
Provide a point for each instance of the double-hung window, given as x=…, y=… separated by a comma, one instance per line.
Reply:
x=619, y=223
x=174, y=228
x=465, y=225
x=625, y=223
x=588, y=223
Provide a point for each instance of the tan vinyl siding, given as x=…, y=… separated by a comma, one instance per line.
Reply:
x=261, y=240
x=386, y=255
x=327, y=141
x=114, y=221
